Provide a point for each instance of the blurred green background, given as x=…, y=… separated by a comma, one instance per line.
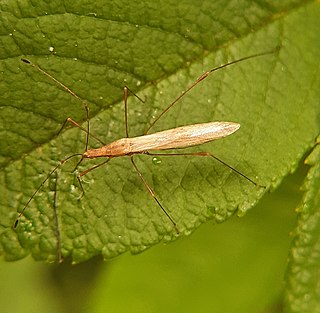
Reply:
x=237, y=266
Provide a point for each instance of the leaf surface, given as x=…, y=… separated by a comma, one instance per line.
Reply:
x=97, y=48
x=303, y=275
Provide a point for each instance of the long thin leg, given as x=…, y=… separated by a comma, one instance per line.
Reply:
x=68, y=120
x=67, y=89
x=152, y=194
x=74, y=123
x=207, y=154
x=125, y=98
x=125, y=101
x=94, y=167
x=40, y=186
x=203, y=77
x=86, y=172
x=58, y=234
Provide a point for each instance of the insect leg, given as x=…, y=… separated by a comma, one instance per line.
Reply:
x=58, y=235
x=40, y=186
x=86, y=172
x=207, y=154
x=151, y=192
x=125, y=98
x=74, y=123
x=203, y=77
x=94, y=167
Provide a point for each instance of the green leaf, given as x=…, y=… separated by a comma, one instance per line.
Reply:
x=303, y=276
x=95, y=48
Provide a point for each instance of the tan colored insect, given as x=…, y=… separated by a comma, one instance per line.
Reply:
x=181, y=137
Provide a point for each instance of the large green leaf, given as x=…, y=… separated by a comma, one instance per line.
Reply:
x=158, y=49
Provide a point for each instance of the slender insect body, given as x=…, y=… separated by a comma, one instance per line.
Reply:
x=180, y=137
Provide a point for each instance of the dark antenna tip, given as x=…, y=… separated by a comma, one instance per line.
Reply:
x=26, y=61
x=16, y=223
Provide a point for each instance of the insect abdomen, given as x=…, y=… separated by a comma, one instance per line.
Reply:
x=182, y=137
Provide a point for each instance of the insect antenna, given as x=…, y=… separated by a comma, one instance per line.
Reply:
x=85, y=106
